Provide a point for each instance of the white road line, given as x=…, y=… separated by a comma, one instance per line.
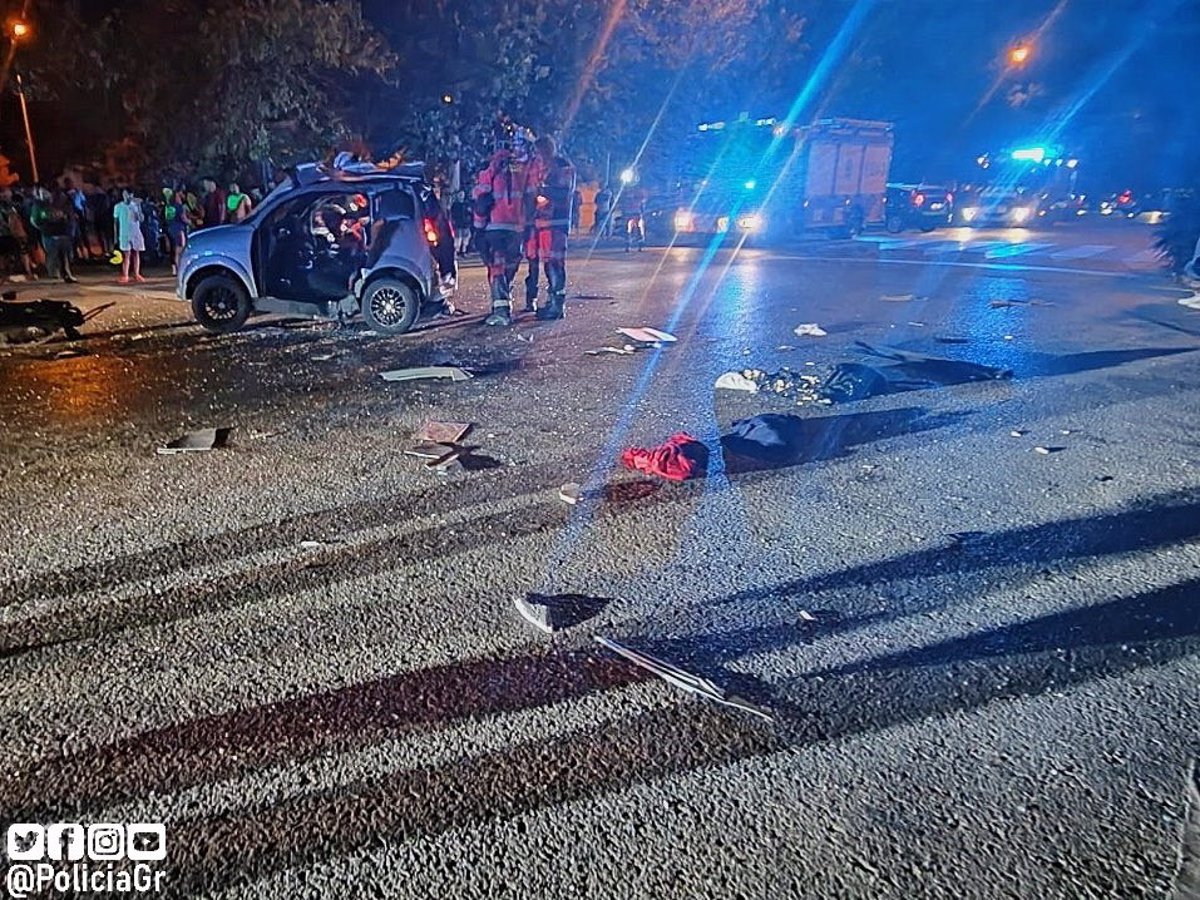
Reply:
x=1015, y=250
x=1146, y=256
x=1082, y=252
x=958, y=264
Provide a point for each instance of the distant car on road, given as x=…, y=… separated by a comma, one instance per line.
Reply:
x=997, y=208
x=917, y=206
x=326, y=243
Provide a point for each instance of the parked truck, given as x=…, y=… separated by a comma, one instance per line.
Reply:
x=759, y=179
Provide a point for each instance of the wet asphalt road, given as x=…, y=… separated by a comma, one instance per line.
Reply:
x=983, y=659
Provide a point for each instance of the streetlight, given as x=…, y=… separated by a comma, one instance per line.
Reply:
x=1019, y=54
x=19, y=30
x=627, y=176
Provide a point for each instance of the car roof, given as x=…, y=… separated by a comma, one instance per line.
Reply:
x=310, y=174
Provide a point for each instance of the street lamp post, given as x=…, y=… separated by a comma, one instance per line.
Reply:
x=28, y=130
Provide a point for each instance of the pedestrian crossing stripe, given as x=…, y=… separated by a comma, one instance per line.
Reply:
x=1082, y=252
x=1007, y=249
x=1016, y=250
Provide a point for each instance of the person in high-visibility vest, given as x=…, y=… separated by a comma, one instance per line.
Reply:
x=500, y=191
x=552, y=190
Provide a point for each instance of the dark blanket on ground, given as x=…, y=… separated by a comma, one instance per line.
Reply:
x=900, y=372
x=46, y=315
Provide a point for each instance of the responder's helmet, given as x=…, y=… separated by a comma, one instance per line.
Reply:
x=507, y=135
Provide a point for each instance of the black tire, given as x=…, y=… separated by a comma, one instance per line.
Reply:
x=894, y=224
x=220, y=304
x=390, y=306
x=926, y=228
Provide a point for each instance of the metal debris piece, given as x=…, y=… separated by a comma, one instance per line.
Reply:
x=443, y=432
x=686, y=681
x=648, y=335
x=570, y=492
x=322, y=357
x=68, y=354
x=1018, y=432
x=454, y=373
x=311, y=545
x=736, y=381
x=917, y=324
x=806, y=616
x=1008, y=337
x=620, y=351
x=426, y=450
x=898, y=298
x=1046, y=451
x=197, y=441
x=809, y=329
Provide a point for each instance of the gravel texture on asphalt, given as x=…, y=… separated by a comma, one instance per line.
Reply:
x=984, y=661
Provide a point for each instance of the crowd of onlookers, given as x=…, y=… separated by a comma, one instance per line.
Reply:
x=46, y=230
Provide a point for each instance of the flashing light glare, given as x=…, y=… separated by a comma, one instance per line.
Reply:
x=447, y=98
x=750, y=185
x=19, y=30
x=1021, y=213
x=752, y=222
x=982, y=160
x=723, y=224
x=1081, y=212
x=1019, y=54
x=969, y=213
x=780, y=130
x=703, y=126
x=431, y=234
x=684, y=221
x=949, y=198
x=1072, y=163
x=918, y=199
x=627, y=176
x=1030, y=154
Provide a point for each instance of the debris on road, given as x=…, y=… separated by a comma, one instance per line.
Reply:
x=1192, y=302
x=198, y=441
x=554, y=612
x=917, y=324
x=809, y=329
x=524, y=339
x=786, y=383
x=627, y=350
x=426, y=450
x=736, y=381
x=898, y=298
x=680, y=458
x=906, y=372
x=571, y=492
x=312, y=545
x=1018, y=432
x=443, y=432
x=23, y=321
x=1008, y=337
x=68, y=354
x=1046, y=451
x=322, y=357
x=648, y=335
x=684, y=680
x=454, y=373
x=449, y=461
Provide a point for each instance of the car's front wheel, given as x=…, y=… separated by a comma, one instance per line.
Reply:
x=220, y=304
x=894, y=223
x=390, y=306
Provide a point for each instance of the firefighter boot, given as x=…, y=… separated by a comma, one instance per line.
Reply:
x=501, y=313
x=555, y=309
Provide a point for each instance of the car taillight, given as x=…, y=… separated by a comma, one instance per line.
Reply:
x=431, y=233
x=918, y=199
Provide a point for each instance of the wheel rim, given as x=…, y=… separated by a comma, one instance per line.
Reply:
x=221, y=304
x=388, y=306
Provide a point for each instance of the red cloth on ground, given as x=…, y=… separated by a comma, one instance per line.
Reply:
x=680, y=458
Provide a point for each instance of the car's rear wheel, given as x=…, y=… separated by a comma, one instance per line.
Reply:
x=927, y=227
x=221, y=304
x=894, y=223
x=390, y=306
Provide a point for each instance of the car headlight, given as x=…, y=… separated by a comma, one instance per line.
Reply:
x=1021, y=213
x=723, y=223
x=684, y=221
x=969, y=213
x=752, y=222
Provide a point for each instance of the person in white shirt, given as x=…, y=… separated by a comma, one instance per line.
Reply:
x=128, y=215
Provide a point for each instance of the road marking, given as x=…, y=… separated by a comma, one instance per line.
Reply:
x=958, y=264
x=897, y=244
x=1015, y=250
x=1146, y=256
x=1082, y=252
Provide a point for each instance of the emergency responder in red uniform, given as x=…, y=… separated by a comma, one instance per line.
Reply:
x=501, y=190
x=552, y=192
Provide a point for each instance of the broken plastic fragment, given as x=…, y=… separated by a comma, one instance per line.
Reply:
x=648, y=335
x=1018, y=432
x=1046, y=451
x=693, y=684
x=898, y=298
x=454, y=373
x=736, y=381
x=1192, y=302
x=197, y=441
x=443, y=432
x=570, y=492
x=809, y=329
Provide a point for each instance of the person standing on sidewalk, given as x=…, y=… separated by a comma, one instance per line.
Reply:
x=128, y=216
x=552, y=188
x=54, y=217
x=237, y=205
